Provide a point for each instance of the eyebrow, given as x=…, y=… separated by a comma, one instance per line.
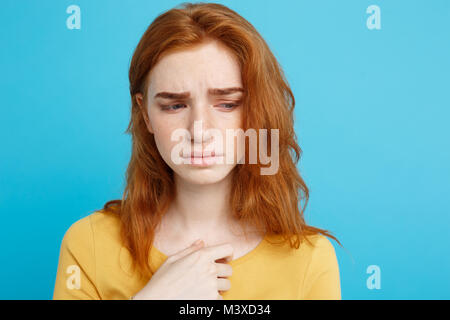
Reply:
x=185, y=95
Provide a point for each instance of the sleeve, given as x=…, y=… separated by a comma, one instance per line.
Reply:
x=76, y=274
x=322, y=281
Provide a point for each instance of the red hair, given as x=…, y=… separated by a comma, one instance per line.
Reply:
x=273, y=203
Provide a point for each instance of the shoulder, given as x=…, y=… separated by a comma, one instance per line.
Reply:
x=321, y=280
x=105, y=223
x=309, y=245
x=314, y=251
x=321, y=249
x=320, y=243
x=78, y=233
x=320, y=256
x=85, y=231
x=314, y=256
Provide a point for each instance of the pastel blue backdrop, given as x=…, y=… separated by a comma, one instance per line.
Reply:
x=372, y=118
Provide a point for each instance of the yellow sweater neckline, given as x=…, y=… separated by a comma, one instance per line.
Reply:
x=162, y=257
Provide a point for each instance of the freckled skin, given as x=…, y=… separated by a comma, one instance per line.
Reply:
x=209, y=65
x=201, y=205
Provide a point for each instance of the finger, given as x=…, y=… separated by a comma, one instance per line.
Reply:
x=193, y=247
x=224, y=270
x=225, y=260
x=223, y=284
x=220, y=251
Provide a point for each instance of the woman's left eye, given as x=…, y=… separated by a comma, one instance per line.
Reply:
x=229, y=106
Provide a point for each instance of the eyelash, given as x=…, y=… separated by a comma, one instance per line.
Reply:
x=168, y=107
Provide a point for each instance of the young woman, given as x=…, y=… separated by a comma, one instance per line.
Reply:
x=199, y=71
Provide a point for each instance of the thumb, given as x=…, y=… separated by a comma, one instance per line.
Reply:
x=193, y=247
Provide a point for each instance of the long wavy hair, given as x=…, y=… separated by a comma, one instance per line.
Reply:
x=273, y=203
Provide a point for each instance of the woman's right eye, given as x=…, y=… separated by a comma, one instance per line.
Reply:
x=171, y=107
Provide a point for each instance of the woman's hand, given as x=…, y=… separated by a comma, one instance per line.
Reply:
x=191, y=274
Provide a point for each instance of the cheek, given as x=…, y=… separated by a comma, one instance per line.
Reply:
x=233, y=120
x=235, y=123
x=163, y=141
x=161, y=132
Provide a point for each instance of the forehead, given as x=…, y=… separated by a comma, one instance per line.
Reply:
x=208, y=65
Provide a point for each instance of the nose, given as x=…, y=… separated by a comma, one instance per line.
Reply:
x=199, y=123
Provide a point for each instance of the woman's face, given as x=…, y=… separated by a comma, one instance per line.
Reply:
x=195, y=73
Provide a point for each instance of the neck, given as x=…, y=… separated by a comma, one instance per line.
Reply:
x=200, y=208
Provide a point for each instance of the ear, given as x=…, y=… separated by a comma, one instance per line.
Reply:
x=140, y=101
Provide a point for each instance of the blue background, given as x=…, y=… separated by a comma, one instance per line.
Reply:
x=372, y=118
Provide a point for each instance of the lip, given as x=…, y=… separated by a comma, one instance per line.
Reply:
x=205, y=155
x=203, y=161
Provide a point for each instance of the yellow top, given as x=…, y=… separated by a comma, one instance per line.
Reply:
x=93, y=264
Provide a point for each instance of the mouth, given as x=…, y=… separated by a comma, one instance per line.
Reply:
x=203, y=160
x=202, y=156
